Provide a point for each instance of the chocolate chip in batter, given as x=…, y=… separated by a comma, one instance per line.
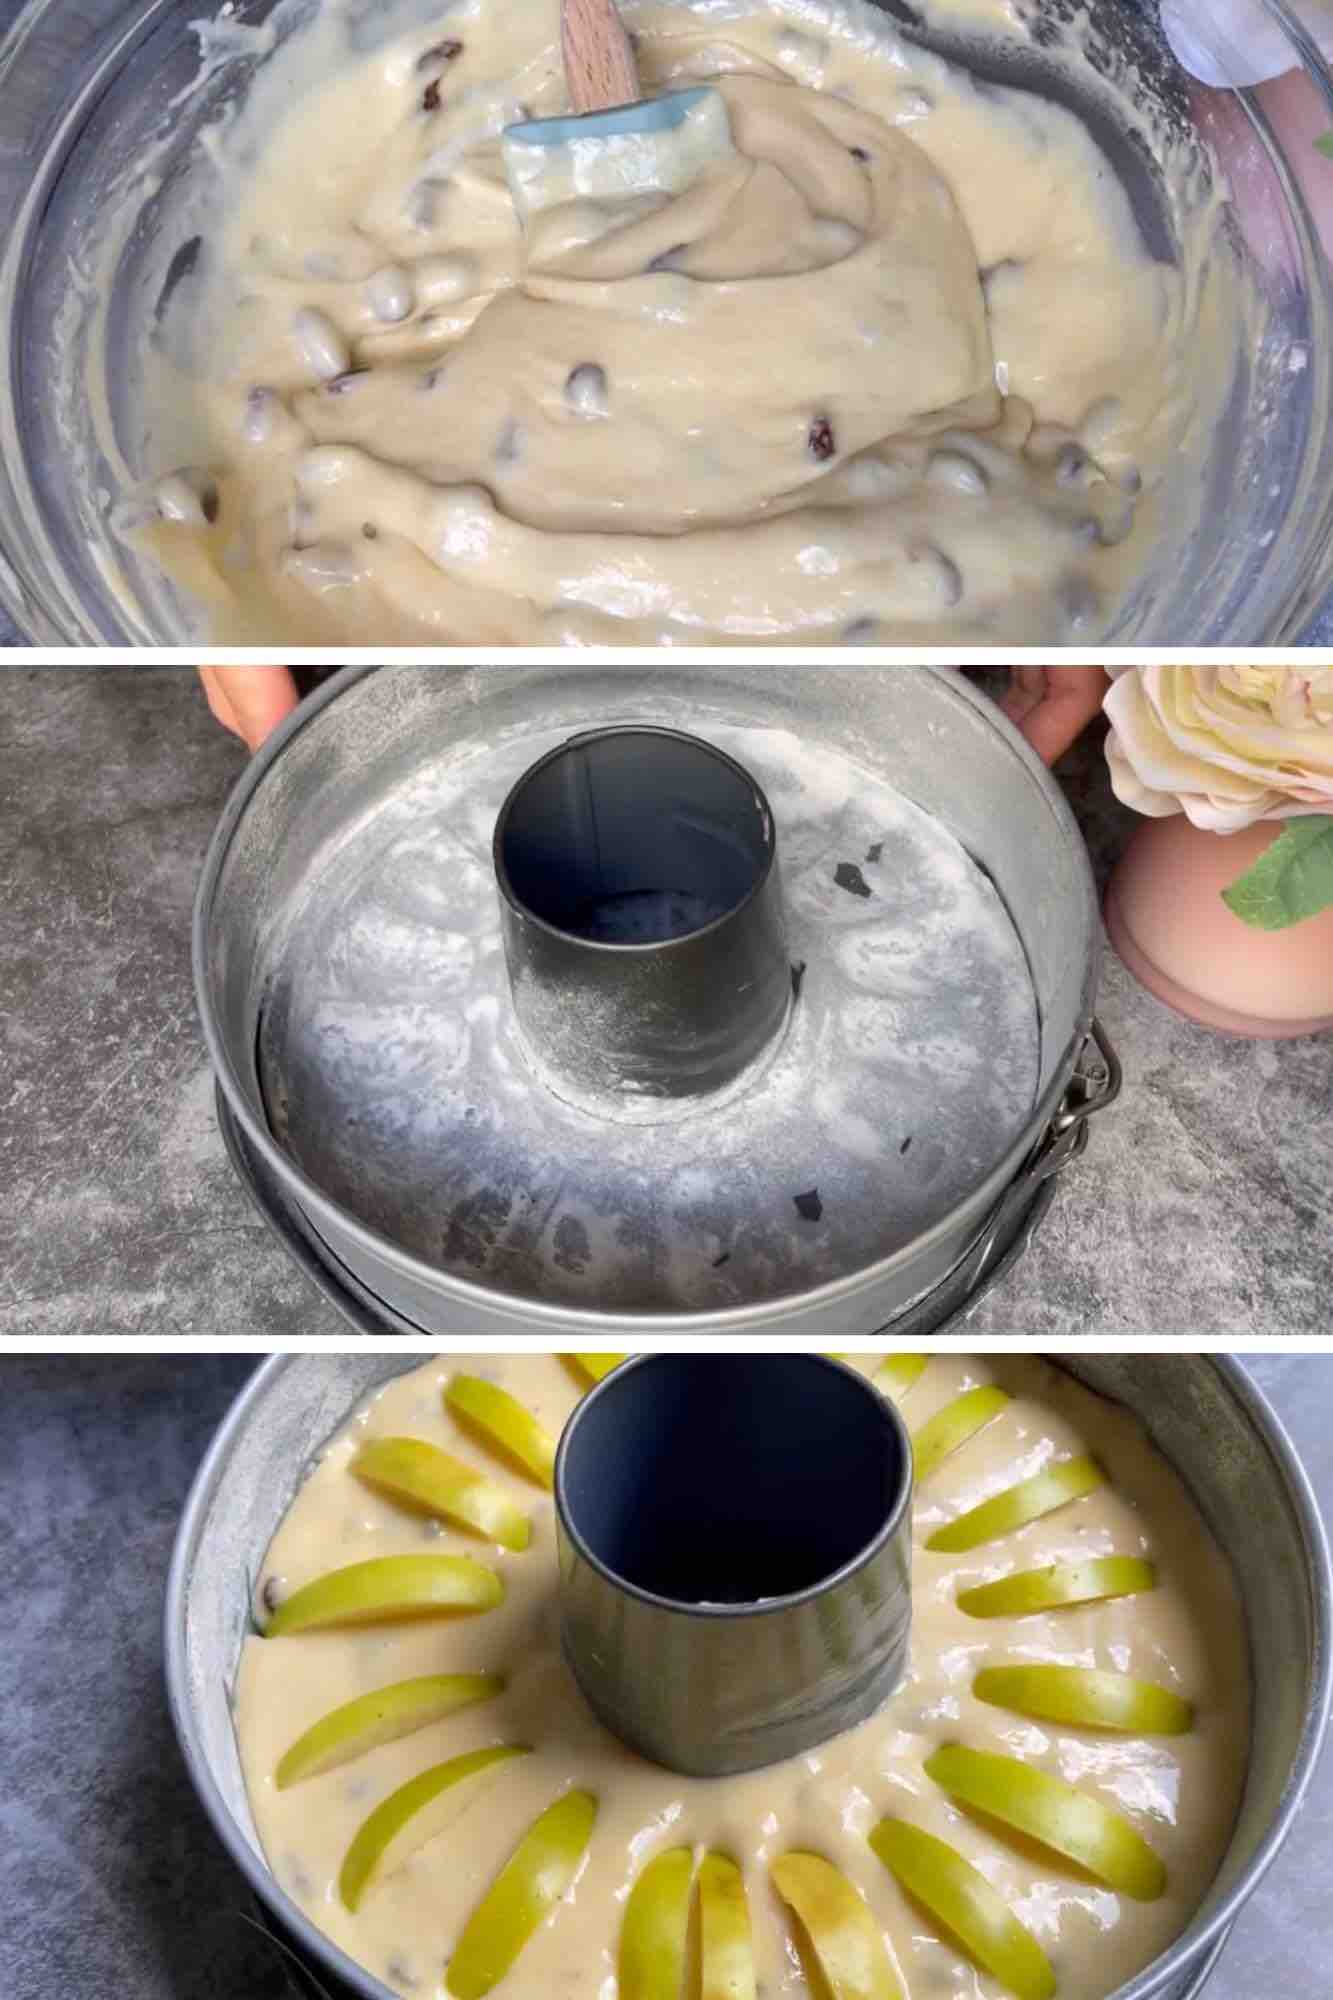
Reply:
x=996, y=279
x=260, y=414
x=808, y=1206
x=585, y=389
x=1079, y=602
x=821, y=441
x=1073, y=467
x=181, y=267
x=957, y=473
x=440, y=54
x=437, y=58
x=949, y=575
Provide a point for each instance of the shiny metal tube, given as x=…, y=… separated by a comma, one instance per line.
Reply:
x=682, y=1474
x=642, y=918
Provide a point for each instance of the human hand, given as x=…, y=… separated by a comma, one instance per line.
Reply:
x=1054, y=705
x=250, y=701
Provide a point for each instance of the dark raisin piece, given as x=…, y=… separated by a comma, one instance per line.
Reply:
x=849, y=877
x=821, y=440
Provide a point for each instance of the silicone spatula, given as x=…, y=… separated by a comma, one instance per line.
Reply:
x=616, y=144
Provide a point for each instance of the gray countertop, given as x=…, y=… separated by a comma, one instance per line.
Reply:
x=111, y=1880
x=1204, y=1204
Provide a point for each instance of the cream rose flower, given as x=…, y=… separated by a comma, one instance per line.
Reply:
x=1226, y=745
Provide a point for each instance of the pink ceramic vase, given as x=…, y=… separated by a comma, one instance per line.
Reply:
x=1168, y=923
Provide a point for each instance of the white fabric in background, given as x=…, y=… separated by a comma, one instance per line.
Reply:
x=1237, y=41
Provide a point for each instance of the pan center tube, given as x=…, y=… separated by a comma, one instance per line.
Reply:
x=641, y=912
x=735, y=1555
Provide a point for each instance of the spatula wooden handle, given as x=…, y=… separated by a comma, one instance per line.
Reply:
x=600, y=70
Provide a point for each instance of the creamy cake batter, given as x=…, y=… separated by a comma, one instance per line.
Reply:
x=1180, y=1792
x=895, y=367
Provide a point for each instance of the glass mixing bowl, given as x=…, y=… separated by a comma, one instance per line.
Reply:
x=91, y=89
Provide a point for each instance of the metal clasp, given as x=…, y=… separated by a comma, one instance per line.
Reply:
x=1095, y=1084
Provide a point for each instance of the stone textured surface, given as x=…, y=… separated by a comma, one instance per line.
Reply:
x=111, y=1880
x=1204, y=1204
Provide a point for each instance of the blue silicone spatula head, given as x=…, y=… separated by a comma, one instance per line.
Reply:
x=659, y=145
x=615, y=144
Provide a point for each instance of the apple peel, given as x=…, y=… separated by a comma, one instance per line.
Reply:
x=537, y=1876
x=1048, y=1810
x=1031, y=1500
x=365, y=1858
x=420, y=1476
x=489, y=1411
x=937, y=1877
x=1062, y=1584
x=847, y=1943
x=654, y=1935
x=386, y=1588
x=359, y=1726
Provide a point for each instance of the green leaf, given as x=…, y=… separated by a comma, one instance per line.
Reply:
x=1324, y=145
x=1292, y=880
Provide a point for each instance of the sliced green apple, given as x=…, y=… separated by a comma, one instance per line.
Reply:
x=535, y=1878
x=898, y=1374
x=492, y=1413
x=964, y=1903
x=388, y=1587
x=844, y=1937
x=383, y=1717
x=596, y=1366
x=420, y=1476
x=952, y=1426
x=726, y=1948
x=1085, y=1698
x=654, y=1933
x=1017, y=1505
x=1046, y=1809
x=398, y=1824
x=1033, y=1590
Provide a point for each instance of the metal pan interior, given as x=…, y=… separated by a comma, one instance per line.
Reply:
x=943, y=943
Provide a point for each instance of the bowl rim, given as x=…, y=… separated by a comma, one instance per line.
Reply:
x=542, y=1315
x=1196, y=1951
